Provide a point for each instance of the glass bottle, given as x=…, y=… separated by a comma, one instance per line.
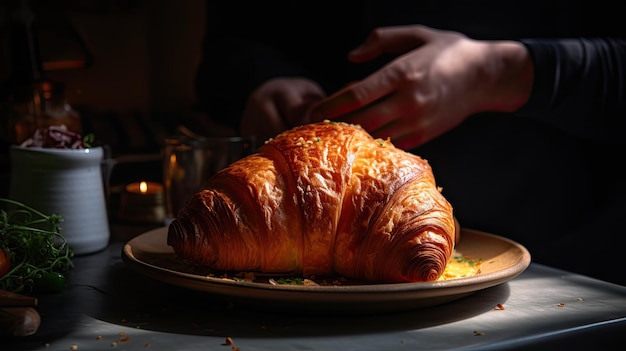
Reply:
x=32, y=100
x=40, y=106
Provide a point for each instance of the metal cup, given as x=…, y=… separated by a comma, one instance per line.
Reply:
x=189, y=162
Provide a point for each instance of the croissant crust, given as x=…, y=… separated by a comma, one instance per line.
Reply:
x=321, y=199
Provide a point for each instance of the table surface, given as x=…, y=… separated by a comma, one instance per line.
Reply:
x=108, y=306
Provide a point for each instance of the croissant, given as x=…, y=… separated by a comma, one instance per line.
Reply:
x=318, y=200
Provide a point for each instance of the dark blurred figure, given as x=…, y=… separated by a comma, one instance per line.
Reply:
x=544, y=171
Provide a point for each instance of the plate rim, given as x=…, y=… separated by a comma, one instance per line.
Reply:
x=374, y=291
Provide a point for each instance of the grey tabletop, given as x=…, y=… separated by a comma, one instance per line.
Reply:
x=110, y=307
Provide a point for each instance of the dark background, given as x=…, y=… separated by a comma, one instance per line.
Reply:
x=127, y=66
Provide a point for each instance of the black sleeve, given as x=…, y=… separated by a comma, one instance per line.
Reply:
x=580, y=86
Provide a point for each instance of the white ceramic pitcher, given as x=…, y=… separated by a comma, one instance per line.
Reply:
x=67, y=182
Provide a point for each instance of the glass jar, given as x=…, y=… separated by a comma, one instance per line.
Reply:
x=40, y=105
x=29, y=99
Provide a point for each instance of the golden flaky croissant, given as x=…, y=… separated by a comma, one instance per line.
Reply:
x=321, y=199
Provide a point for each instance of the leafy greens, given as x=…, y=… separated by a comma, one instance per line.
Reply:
x=34, y=244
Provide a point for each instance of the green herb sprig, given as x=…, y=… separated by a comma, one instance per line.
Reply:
x=34, y=244
x=471, y=262
x=89, y=140
x=290, y=281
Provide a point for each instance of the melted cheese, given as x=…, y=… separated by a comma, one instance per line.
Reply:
x=460, y=266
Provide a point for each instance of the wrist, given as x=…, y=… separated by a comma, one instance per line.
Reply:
x=514, y=75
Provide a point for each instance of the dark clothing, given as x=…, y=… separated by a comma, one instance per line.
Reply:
x=546, y=176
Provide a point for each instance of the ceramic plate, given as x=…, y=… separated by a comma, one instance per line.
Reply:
x=502, y=260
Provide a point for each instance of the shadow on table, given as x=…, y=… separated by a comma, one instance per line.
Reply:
x=134, y=300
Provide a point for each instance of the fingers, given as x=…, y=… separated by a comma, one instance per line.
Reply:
x=390, y=40
x=401, y=136
x=295, y=99
x=356, y=96
x=296, y=109
x=376, y=116
x=387, y=40
x=278, y=104
x=263, y=121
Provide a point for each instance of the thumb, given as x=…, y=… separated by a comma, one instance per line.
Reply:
x=391, y=40
x=367, y=51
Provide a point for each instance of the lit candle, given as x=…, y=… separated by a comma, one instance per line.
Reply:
x=142, y=202
x=145, y=188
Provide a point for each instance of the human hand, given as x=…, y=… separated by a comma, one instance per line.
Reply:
x=279, y=104
x=439, y=79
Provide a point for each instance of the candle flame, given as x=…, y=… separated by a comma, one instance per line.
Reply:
x=143, y=187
